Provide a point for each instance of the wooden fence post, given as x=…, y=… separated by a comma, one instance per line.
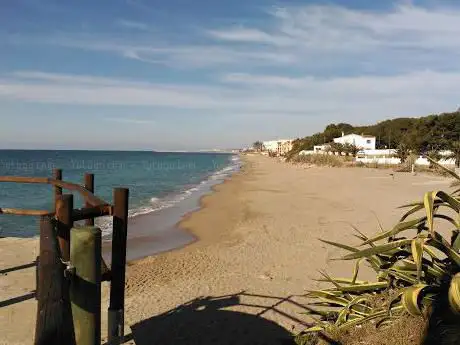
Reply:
x=64, y=208
x=89, y=185
x=57, y=175
x=85, y=287
x=117, y=287
x=54, y=317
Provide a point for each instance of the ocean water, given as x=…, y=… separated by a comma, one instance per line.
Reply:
x=157, y=182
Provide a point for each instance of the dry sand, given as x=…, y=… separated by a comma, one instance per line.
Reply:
x=243, y=282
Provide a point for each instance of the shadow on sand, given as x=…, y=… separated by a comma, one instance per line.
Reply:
x=24, y=297
x=204, y=321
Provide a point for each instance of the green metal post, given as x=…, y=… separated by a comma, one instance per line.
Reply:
x=85, y=286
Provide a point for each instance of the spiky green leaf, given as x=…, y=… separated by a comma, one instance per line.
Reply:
x=417, y=253
x=377, y=250
x=454, y=294
x=411, y=299
x=402, y=226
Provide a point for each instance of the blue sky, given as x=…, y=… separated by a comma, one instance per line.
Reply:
x=139, y=74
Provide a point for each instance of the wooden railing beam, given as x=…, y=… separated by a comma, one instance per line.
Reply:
x=22, y=212
x=89, y=197
x=89, y=185
x=91, y=212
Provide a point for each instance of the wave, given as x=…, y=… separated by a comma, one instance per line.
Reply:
x=156, y=204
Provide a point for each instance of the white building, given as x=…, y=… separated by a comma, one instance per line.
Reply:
x=280, y=147
x=320, y=148
x=365, y=142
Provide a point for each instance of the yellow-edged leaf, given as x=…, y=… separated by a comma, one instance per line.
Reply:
x=358, y=321
x=411, y=299
x=347, y=281
x=447, y=170
x=417, y=254
x=441, y=244
x=402, y=275
x=402, y=226
x=377, y=250
x=454, y=203
x=356, y=270
x=454, y=293
x=364, y=287
x=314, y=329
x=428, y=202
x=340, y=245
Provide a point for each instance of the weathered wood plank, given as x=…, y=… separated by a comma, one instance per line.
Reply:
x=89, y=185
x=54, y=324
x=117, y=290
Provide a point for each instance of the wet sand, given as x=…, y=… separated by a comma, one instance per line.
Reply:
x=258, y=252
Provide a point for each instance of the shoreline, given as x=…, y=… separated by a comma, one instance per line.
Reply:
x=183, y=223
x=201, y=238
x=159, y=231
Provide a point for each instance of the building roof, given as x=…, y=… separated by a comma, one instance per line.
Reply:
x=355, y=135
x=278, y=140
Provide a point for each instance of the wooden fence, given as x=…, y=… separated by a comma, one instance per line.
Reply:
x=70, y=267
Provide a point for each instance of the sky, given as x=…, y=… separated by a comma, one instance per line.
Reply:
x=188, y=75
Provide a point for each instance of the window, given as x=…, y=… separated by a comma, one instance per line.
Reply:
x=368, y=141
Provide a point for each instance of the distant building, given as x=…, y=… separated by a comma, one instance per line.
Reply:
x=320, y=148
x=279, y=147
x=364, y=142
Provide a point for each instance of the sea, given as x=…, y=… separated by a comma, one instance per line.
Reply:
x=163, y=187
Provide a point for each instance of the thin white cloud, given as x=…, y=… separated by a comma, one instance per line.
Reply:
x=70, y=78
x=130, y=24
x=414, y=93
x=314, y=38
x=129, y=120
x=378, y=64
x=335, y=27
x=265, y=80
x=181, y=56
x=238, y=34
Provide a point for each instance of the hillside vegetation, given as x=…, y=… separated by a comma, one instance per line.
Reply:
x=434, y=132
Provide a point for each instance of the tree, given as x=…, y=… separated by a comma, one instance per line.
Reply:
x=351, y=149
x=336, y=148
x=258, y=146
x=330, y=148
x=340, y=148
x=402, y=152
x=419, y=134
x=454, y=147
x=434, y=155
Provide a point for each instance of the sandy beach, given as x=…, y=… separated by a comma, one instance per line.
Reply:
x=244, y=280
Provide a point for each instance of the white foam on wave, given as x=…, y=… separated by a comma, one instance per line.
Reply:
x=235, y=164
x=156, y=204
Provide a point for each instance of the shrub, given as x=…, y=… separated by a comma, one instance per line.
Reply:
x=320, y=159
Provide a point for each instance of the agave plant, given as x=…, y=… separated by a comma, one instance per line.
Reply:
x=410, y=270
